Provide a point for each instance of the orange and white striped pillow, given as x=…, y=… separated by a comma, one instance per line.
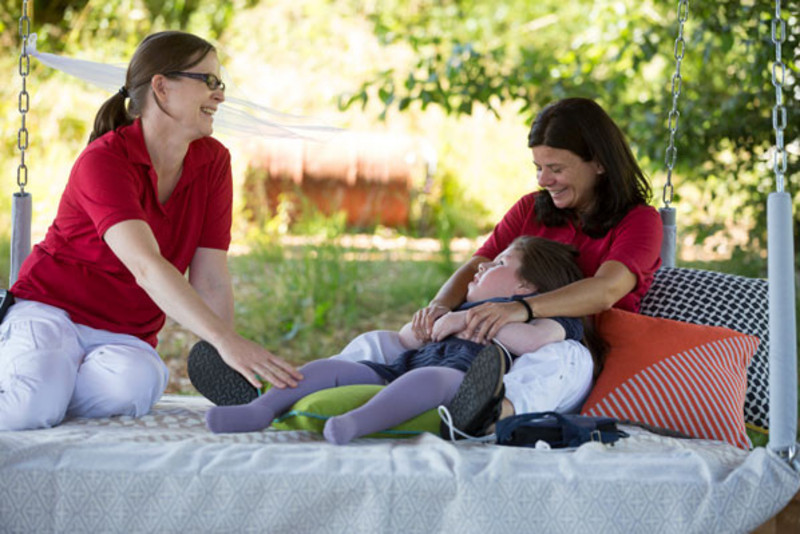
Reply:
x=673, y=375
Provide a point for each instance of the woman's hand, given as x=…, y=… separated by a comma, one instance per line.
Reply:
x=424, y=319
x=486, y=320
x=256, y=363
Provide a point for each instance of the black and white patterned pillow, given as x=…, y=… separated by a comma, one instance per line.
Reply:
x=718, y=299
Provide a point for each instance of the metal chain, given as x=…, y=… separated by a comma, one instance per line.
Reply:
x=24, y=97
x=779, y=110
x=672, y=152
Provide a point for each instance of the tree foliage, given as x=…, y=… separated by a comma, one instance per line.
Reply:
x=67, y=22
x=623, y=54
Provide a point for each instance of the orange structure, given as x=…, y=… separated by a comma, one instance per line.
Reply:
x=368, y=176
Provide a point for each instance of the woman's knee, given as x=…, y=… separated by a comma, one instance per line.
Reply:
x=35, y=395
x=19, y=411
x=381, y=346
x=38, y=364
x=118, y=380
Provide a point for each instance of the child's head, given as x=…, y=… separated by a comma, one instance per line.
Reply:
x=546, y=264
x=530, y=264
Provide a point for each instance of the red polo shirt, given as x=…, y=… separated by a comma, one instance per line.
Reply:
x=635, y=242
x=112, y=181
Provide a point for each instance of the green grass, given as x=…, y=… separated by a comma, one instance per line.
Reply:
x=293, y=298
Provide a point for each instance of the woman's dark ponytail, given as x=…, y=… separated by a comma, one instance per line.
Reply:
x=112, y=115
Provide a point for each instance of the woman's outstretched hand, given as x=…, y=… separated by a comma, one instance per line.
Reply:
x=486, y=320
x=423, y=320
x=256, y=363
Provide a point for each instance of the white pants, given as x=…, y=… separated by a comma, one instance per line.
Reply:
x=557, y=377
x=52, y=368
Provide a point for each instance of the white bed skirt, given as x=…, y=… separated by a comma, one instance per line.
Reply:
x=166, y=473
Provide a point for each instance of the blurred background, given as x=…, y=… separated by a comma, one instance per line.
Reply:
x=435, y=99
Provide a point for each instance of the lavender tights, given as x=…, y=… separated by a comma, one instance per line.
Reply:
x=413, y=393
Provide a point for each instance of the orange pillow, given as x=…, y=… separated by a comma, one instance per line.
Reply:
x=674, y=375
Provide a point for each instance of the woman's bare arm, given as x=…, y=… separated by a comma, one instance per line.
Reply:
x=591, y=295
x=135, y=245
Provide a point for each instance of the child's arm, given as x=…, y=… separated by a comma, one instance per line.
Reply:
x=520, y=338
x=449, y=324
x=408, y=338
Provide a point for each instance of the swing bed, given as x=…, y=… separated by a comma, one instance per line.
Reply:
x=166, y=473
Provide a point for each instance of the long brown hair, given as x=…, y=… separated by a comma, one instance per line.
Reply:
x=158, y=53
x=549, y=265
x=581, y=126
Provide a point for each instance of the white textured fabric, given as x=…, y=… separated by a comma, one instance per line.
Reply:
x=556, y=377
x=166, y=473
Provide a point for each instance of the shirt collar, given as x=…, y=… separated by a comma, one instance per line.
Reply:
x=134, y=142
x=196, y=155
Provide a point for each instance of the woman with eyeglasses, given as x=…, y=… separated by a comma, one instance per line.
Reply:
x=149, y=198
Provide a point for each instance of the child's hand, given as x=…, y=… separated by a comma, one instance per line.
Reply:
x=424, y=319
x=449, y=324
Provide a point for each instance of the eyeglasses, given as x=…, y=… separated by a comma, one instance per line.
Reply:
x=210, y=80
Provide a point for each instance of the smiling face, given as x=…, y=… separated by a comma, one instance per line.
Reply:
x=498, y=278
x=190, y=102
x=568, y=179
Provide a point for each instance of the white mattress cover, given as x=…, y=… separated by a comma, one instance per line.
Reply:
x=166, y=473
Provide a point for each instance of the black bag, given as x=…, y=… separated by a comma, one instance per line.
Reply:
x=6, y=300
x=557, y=430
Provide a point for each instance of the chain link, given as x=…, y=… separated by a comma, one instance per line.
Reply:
x=24, y=97
x=671, y=154
x=779, y=115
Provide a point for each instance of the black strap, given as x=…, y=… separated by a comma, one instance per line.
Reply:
x=6, y=300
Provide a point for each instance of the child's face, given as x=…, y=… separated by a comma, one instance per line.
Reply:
x=498, y=278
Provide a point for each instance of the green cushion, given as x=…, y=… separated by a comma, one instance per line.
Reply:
x=311, y=412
